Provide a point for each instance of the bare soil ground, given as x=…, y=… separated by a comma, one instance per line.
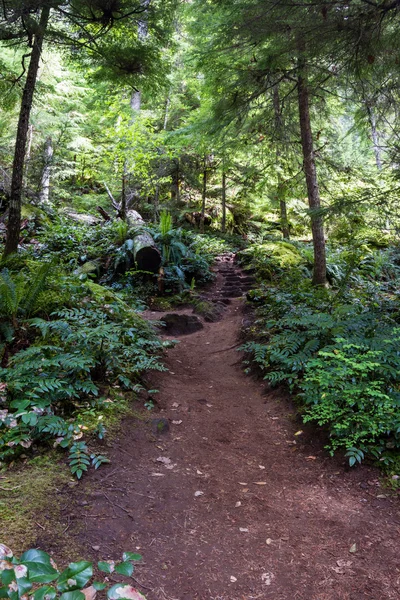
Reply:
x=231, y=504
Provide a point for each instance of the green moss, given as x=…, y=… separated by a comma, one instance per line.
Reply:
x=29, y=501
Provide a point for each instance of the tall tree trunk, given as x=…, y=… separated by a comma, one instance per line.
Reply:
x=283, y=214
x=223, y=224
x=14, y=218
x=319, y=275
x=281, y=183
x=28, y=152
x=122, y=210
x=203, y=196
x=45, y=182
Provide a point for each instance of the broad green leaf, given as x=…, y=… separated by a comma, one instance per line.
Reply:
x=75, y=576
x=39, y=565
x=124, y=568
x=105, y=566
x=24, y=585
x=75, y=595
x=131, y=556
x=45, y=591
x=7, y=576
x=99, y=586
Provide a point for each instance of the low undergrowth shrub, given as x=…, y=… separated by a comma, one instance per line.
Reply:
x=36, y=574
x=336, y=348
x=48, y=386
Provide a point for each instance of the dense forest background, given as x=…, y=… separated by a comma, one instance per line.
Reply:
x=138, y=140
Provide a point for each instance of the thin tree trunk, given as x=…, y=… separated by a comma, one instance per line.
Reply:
x=319, y=275
x=45, y=183
x=284, y=218
x=281, y=183
x=204, y=196
x=28, y=152
x=14, y=218
x=122, y=209
x=223, y=224
x=175, y=184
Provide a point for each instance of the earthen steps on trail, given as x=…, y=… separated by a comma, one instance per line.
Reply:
x=236, y=283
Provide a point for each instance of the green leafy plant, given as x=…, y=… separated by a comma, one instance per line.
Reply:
x=35, y=573
x=337, y=349
x=50, y=387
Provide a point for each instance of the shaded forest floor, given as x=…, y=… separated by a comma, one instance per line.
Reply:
x=231, y=504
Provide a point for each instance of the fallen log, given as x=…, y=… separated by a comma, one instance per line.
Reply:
x=103, y=213
x=146, y=254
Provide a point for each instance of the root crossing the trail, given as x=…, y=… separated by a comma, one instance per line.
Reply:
x=232, y=502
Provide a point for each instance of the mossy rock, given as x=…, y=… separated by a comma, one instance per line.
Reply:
x=34, y=213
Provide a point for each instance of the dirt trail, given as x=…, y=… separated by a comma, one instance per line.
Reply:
x=244, y=509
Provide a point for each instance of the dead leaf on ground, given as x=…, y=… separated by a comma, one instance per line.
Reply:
x=157, y=474
x=198, y=493
x=90, y=593
x=344, y=563
x=164, y=460
x=299, y=432
x=311, y=458
x=353, y=548
x=241, y=483
x=260, y=482
x=243, y=530
x=233, y=579
x=267, y=578
x=177, y=422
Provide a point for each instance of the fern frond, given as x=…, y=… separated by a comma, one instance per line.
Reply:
x=36, y=288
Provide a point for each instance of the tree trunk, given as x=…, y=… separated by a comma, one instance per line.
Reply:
x=284, y=217
x=375, y=137
x=319, y=275
x=204, y=196
x=45, y=183
x=14, y=219
x=28, y=152
x=123, y=207
x=281, y=183
x=223, y=224
x=175, y=185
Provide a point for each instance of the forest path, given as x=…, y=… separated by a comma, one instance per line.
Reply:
x=230, y=504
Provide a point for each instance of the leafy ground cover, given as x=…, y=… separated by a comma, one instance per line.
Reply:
x=36, y=573
x=336, y=348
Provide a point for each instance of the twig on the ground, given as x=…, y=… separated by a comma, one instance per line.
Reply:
x=117, y=505
x=226, y=349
